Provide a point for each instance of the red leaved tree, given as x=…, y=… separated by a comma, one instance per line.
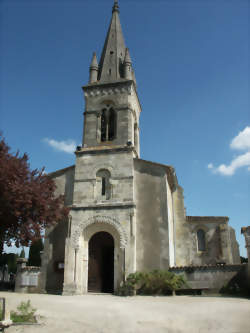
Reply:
x=27, y=200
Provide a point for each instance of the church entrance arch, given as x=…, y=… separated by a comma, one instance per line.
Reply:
x=101, y=263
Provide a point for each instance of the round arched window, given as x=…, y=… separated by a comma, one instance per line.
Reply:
x=201, y=240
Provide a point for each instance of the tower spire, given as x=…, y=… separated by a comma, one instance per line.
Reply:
x=113, y=52
x=115, y=63
x=115, y=6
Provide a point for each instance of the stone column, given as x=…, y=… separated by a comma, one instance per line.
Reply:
x=246, y=232
x=21, y=264
x=225, y=241
x=130, y=126
x=181, y=232
x=69, y=285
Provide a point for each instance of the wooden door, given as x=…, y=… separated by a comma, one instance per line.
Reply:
x=101, y=263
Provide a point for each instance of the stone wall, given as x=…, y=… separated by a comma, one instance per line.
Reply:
x=152, y=234
x=28, y=278
x=220, y=242
x=210, y=278
x=52, y=269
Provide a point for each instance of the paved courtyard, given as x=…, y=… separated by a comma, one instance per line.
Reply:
x=107, y=313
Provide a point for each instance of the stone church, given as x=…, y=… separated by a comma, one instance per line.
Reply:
x=126, y=214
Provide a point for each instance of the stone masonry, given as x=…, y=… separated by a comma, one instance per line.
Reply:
x=134, y=207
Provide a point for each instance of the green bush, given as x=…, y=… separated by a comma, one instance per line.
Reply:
x=234, y=288
x=25, y=313
x=156, y=282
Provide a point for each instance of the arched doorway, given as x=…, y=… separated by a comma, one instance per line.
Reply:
x=101, y=263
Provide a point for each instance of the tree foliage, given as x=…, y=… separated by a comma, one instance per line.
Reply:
x=10, y=260
x=27, y=200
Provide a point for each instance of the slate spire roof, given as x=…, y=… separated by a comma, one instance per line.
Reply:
x=114, y=50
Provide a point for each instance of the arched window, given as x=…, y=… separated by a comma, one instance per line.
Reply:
x=103, y=187
x=108, y=124
x=111, y=127
x=201, y=240
x=103, y=125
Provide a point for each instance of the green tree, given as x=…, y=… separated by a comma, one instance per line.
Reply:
x=34, y=253
x=10, y=260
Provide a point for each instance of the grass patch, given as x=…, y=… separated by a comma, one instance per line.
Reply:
x=24, y=314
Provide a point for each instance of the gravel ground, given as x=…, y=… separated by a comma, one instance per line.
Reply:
x=108, y=313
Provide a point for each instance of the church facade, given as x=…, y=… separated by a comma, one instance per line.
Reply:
x=126, y=214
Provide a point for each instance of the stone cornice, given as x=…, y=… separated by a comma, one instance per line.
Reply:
x=219, y=266
x=207, y=219
x=60, y=172
x=110, y=88
x=246, y=232
x=105, y=150
x=94, y=179
x=98, y=112
x=31, y=268
x=106, y=205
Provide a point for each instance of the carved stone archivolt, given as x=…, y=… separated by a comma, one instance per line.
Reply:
x=100, y=219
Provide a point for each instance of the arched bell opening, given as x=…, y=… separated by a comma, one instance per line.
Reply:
x=101, y=263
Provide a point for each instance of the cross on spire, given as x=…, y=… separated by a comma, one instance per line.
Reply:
x=115, y=7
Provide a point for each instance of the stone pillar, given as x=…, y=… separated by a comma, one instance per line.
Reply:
x=246, y=232
x=225, y=242
x=181, y=232
x=21, y=264
x=43, y=272
x=69, y=285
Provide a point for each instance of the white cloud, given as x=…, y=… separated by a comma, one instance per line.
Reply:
x=240, y=142
x=238, y=162
x=68, y=146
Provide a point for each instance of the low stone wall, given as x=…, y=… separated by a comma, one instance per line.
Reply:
x=210, y=277
x=28, y=278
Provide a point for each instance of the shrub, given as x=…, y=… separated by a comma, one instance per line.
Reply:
x=234, y=288
x=25, y=313
x=156, y=282
x=237, y=286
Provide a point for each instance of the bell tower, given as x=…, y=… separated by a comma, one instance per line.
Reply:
x=104, y=185
x=112, y=107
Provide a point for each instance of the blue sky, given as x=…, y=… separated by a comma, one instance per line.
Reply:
x=191, y=65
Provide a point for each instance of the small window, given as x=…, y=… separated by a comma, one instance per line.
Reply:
x=201, y=240
x=103, y=189
x=103, y=185
x=110, y=71
x=104, y=125
x=111, y=129
x=108, y=124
